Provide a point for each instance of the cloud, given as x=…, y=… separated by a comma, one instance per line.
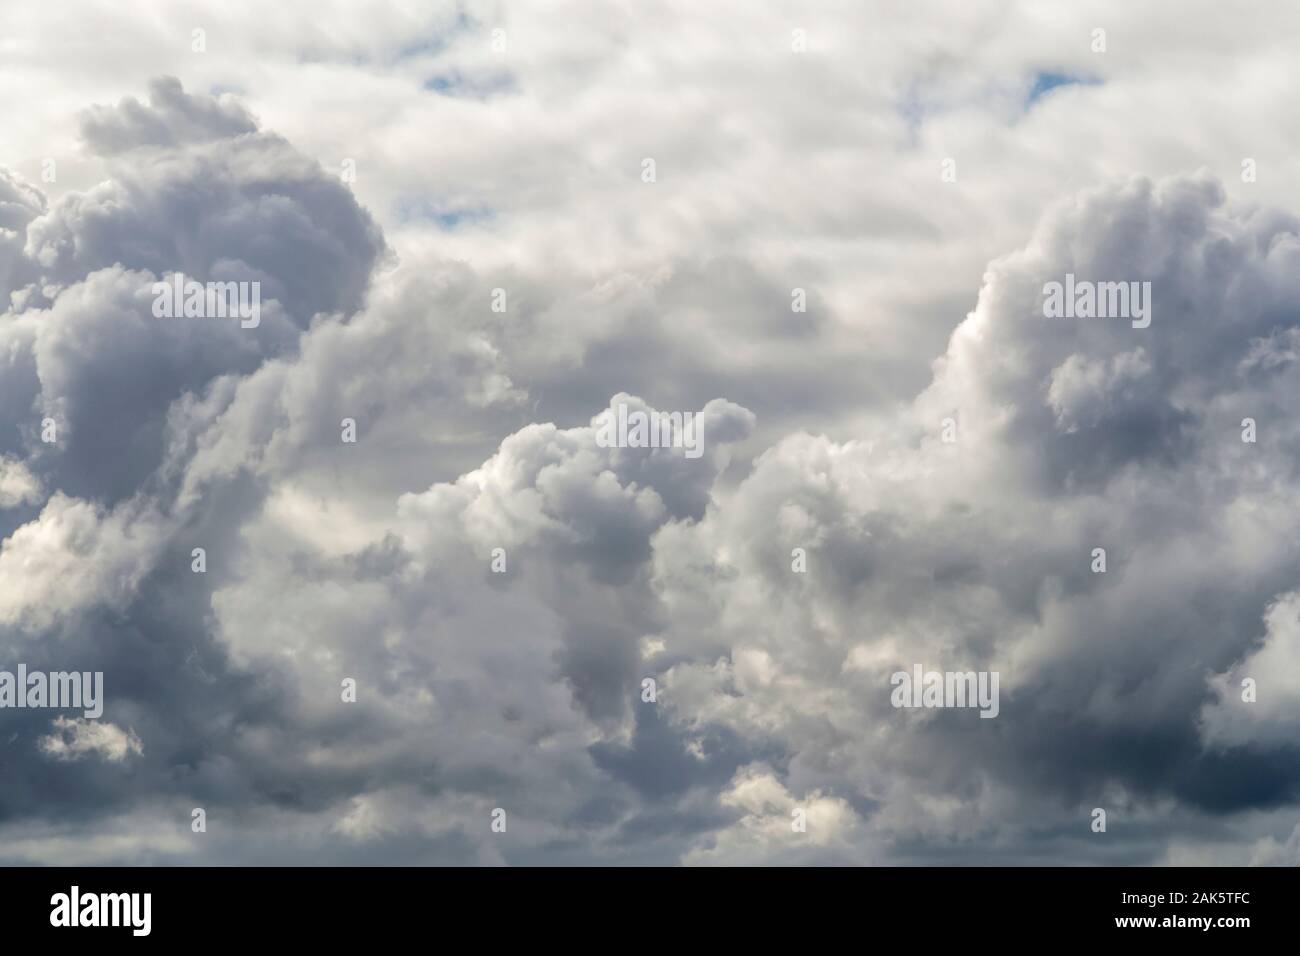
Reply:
x=766, y=832
x=20, y=203
x=173, y=117
x=975, y=554
x=215, y=198
x=72, y=557
x=77, y=738
x=17, y=484
x=1271, y=718
x=476, y=431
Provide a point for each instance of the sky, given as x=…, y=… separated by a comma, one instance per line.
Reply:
x=431, y=594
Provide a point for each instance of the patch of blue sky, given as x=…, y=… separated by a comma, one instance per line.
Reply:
x=1045, y=82
x=433, y=45
x=411, y=210
x=457, y=84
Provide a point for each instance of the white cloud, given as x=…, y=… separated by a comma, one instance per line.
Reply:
x=74, y=556
x=74, y=739
x=18, y=486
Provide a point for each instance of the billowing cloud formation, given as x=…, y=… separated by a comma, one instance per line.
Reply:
x=978, y=553
x=500, y=588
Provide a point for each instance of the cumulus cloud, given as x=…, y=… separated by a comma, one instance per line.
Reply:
x=17, y=484
x=975, y=554
x=1257, y=701
x=79, y=738
x=778, y=828
x=171, y=118
x=74, y=556
x=20, y=203
x=500, y=584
